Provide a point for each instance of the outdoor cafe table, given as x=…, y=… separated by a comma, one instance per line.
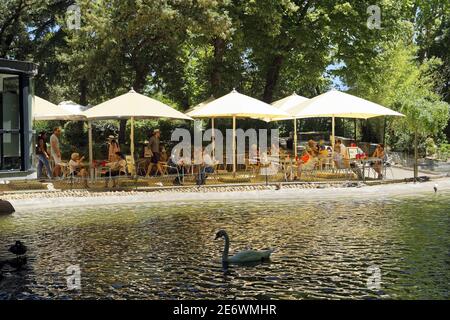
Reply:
x=366, y=163
x=99, y=166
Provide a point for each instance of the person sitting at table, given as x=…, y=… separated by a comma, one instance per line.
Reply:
x=147, y=150
x=289, y=166
x=177, y=164
x=163, y=159
x=355, y=166
x=312, y=148
x=275, y=150
x=343, y=148
x=197, y=155
x=306, y=162
x=145, y=160
x=164, y=156
x=377, y=165
x=323, y=152
x=321, y=144
x=337, y=156
x=264, y=158
x=77, y=169
x=322, y=156
x=117, y=167
x=207, y=167
x=253, y=154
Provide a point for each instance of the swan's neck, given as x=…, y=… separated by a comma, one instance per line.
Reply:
x=226, y=248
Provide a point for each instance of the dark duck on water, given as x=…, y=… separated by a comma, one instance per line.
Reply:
x=18, y=248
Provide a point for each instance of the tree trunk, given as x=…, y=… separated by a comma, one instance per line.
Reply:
x=272, y=76
x=367, y=135
x=416, y=171
x=83, y=91
x=122, y=131
x=216, y=71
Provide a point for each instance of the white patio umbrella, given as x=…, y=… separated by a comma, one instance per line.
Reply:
x=199, y=106
x=286, y=104
x=45, y=110
x=131, y=105
x=73, y=107
x=236, y=105
x=334, y=104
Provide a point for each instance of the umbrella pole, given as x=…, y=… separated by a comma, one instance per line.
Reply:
x=91, y=153
x=332, y=132
x=295, y=138
x=234, y=145
x=132, y=141
x=332, y=139
x=213, y=138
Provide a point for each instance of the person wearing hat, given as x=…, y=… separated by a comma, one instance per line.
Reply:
x=113, y=148
x=154, y=148
x=43, y=156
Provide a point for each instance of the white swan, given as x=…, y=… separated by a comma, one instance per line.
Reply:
x=243, y=256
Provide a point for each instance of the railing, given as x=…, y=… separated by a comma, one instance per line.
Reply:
x=248, y=173
x=260, y=175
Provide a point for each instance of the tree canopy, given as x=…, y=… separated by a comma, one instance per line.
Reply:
x=188, y=50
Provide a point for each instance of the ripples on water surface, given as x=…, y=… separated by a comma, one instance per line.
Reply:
x=167, y=251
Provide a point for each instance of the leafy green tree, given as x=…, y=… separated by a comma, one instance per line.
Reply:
x=432, y=25
x=186, y=51
x=398, y=81
x=424, y=116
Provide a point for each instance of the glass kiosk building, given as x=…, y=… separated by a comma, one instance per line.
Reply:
x=16, y=99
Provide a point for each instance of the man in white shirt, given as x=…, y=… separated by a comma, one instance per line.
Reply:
x=343, y=150
x=207, y=167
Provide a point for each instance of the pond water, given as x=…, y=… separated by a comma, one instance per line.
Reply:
x=323, y=250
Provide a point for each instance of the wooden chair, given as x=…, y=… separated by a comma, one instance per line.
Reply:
x=251, y=165
x=289, y=167
x=141, y=167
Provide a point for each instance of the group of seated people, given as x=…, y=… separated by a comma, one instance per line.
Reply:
x=263, y=157
x=158, y=161
x=316, y=154
x=200, y=161
x=116, y=166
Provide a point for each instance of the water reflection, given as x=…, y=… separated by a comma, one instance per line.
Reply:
x=323, y=249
